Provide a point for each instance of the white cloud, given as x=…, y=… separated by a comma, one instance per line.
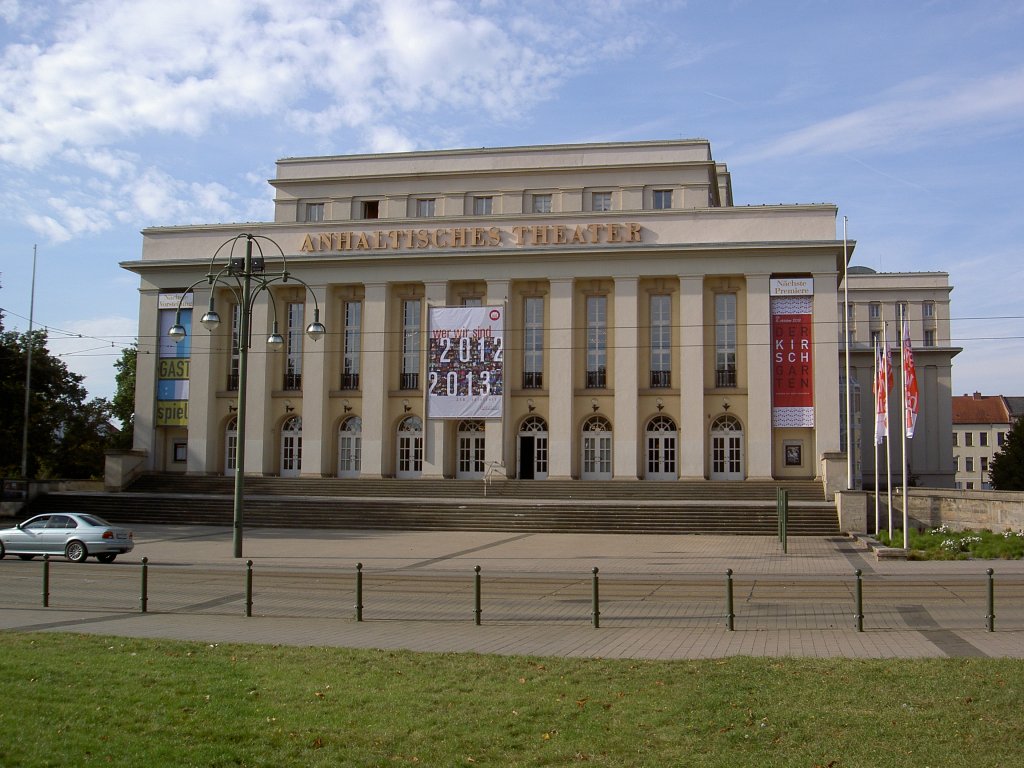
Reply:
x=94, y=352
x=916, y=113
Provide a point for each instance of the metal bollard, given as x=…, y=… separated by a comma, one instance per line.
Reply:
x=860, y=602
x=46, y=581
x=597, y=608
x=359, y=591
x=729, y=614
x=248, y=588
x=991, y=617
x=476, y=595
x=144, y=597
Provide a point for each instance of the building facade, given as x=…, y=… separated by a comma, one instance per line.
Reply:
x=597, y=311
x=980, y=425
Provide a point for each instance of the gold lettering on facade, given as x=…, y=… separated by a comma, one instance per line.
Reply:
x=473, y=237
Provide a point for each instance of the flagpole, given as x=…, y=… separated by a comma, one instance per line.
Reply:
x=888, y=440
x=903, y=429
x=28, y=372
x=877, y=439
x=846, y=346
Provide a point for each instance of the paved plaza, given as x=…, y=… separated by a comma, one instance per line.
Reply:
x=660, y=597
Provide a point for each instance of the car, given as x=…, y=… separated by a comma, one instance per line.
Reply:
x=72, y=534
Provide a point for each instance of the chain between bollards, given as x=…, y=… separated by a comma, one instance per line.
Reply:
x=991, y=617
x=477, y=610
x=248, y=588
x=596, y=603
x=729, y=614
x=860, y=602
x=46, y=581
x=359, y=591
x=144, y=596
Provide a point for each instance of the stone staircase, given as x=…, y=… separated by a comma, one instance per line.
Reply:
x=746, y=508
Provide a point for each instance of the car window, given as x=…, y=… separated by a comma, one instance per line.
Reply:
x=60, y=521
x=94, y=520
x=37, y=523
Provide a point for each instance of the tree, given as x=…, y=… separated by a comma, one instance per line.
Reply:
x=66, y=434
x=123, y=404
x=1007, y=468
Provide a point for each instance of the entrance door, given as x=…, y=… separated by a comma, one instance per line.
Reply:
x=597, y=449
x=231, y=446
x=471, y=451
x=350, y=447
x=291, y=447
x=727, y=449
x=661, y=449
x=533, y=449
x=410, y=448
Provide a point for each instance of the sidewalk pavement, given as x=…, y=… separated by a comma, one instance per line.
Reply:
x=434, y=557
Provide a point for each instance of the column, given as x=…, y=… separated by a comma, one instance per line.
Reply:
x=145, y=377
x=559, y=359
x=627, y=359
x=758, y=432
x=317, y=436
x=202, y=407
x=374, y=380
x=435, y=431
x=693, y=434
x=497, y=432
x=262, y=444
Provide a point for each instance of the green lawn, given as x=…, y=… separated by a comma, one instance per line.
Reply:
x=85, y=700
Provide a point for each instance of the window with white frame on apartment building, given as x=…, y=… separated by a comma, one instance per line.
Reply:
x=601, y=201
x=597, y=342
x=425, y=206
x=662, y=199
x=236, y=322
x=352, y=345
x=483, y=205
x=410, y=344
x=314, y=212
x=661, y=341
x=533, y=342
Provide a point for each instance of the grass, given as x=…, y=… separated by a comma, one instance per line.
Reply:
x=86, y=700
x=944, y=544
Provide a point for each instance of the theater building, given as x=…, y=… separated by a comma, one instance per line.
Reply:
x=593, y=312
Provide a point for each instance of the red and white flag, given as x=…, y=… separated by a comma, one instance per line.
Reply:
x=883, y=385
x=910, y=393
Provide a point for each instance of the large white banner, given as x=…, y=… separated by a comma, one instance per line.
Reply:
x=465, y=362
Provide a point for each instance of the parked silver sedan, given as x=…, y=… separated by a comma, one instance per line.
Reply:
x=72, y=534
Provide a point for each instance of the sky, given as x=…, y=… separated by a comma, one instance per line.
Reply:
x=117, y=115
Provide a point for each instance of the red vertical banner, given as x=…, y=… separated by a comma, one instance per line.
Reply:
x=792, y=353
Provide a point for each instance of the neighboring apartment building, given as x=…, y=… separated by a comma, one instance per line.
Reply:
x=591, y=311
x=980, y=425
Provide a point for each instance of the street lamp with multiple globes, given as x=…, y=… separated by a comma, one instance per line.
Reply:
x=246, y=278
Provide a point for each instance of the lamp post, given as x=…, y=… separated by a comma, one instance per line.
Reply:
x=246, y=278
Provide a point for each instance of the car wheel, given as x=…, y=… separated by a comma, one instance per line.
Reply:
x=76, y=552
x=2, y=550
x=106, y=557
x=27, y=557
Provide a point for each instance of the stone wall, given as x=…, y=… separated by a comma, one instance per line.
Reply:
x=994, y=510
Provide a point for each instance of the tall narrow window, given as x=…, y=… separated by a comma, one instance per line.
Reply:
x=601, y=201
x=662, y=199
x=425, y=207
x=661, y=341
x=352, y=341
x=371, y=209
x=874, y=310
x=293, y=351
x=314, y=212
x=929, y=338
x=236, y=323
x=483, y=206
x=410, y=344
x=542, y=203
x=533, y=342
x=725, y=340
x=928, y=309
x=597, y=341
